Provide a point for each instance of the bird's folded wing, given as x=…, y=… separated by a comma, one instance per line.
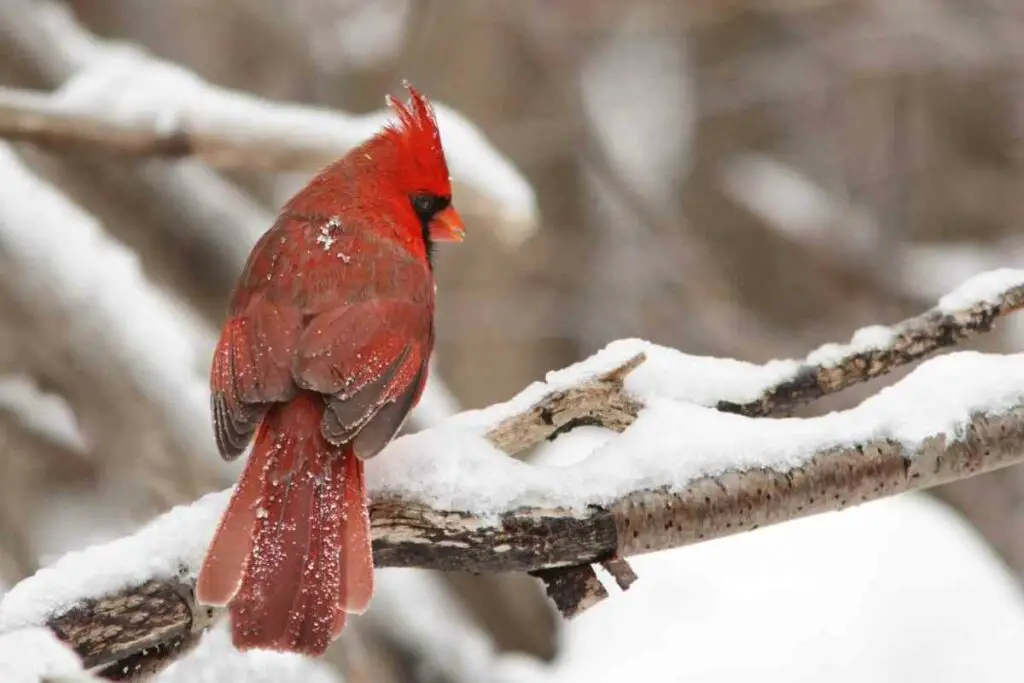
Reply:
x=369, y=358
x=252, y=367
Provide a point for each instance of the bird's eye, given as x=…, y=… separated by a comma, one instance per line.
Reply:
x=423, y=203
x=427, y=205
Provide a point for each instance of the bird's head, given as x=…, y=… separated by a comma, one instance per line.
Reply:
x=413, y=162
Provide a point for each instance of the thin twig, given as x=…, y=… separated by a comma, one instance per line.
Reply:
x=912, y=340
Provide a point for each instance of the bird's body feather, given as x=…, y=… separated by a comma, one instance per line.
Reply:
x=324, y=353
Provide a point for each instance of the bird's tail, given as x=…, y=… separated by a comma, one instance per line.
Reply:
x=291, y=555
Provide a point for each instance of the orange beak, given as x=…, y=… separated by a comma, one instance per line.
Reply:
x=447, y=226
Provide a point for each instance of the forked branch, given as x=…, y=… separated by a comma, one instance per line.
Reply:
x=558, y=538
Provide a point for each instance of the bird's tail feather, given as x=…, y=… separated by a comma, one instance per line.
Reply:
x=292, y=555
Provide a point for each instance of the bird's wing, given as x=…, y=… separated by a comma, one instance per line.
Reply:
x=369, y=359
x=251, y=369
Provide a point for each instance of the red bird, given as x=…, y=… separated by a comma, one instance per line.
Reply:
x=323, y=355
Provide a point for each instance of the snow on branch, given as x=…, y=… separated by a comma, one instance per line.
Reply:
x=119, y=87
x=679, y=471
x=139, y=106
x=875, y=351
x=35, y=654
x=135, y=347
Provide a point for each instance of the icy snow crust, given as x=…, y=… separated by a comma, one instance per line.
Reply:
x=676, y=439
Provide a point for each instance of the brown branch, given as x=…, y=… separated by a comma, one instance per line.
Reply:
x=561, y=543
x=621, y=571
x=39, y=119
x=109, y=629
x=599, y=400
x=120, y=626
x=914, y=339
x=572, y=589
x=34, y=117
x=603, y=400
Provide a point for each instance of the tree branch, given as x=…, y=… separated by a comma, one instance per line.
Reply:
x=27, y=116
x=910, y=341
x=577, y=525
x=251, y=135
x=84, y=335
x=827, y=370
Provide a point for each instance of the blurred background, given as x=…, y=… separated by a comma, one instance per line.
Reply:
x=727, y=177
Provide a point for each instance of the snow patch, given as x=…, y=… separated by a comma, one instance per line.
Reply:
x=32, y=655
x=878, y=593
x=47, y=414
x=456, y=468
x=175, y=540
x=215, y=660
x=983, y=288
x=864, y=340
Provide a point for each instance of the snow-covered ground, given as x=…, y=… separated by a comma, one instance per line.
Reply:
x=896, y=590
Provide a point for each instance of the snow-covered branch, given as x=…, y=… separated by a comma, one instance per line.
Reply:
x=126, y=348
x=129, y=103
x=119, y=86
x=115, y=98
x=875, y=351
x=680, y=471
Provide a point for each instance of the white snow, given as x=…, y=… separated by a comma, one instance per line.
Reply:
x=666, y=373
x=673, y=441
x=985, y=287
x=32, y=655
x=215, y=660
x=173, y=540
x=130, y=318
x=454, y=467
x=896, y=590
x=865, y=339
x=47, y=414
x=129, y=86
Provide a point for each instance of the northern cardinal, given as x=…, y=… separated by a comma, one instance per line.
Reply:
x=323, y=355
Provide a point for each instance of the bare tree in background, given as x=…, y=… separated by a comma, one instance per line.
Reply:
x=736, y=179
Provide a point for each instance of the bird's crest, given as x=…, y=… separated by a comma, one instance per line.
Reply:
x=417, y=135
x=416, y=118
